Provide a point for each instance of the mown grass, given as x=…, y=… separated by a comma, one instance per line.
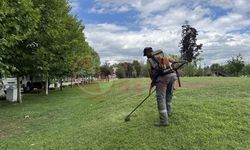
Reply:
x=209, y=113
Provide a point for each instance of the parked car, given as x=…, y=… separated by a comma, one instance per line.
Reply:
x=29, y=83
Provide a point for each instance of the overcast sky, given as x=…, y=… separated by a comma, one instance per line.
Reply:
x=120, y=29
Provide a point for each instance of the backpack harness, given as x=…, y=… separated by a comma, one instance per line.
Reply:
x=160, y=64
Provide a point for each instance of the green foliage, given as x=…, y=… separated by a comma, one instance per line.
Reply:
x=106, y=70
x=5, y=69
x=246, y=70
x=120, y=72
x=207, y=71
x=137, y=68
x=145, y=72
x=96, y=63
x=129, y=70
x=235, y=65
x=216, y=67
x=199, y=71
x=41, y=38
x=189, y=70
x=89, y=64
x=61, y=35
x=18, y=21
x=190, y=51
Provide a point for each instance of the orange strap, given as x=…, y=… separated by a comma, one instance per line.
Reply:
x=165, y=61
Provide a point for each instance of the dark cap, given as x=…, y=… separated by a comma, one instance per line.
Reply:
x=147, y=49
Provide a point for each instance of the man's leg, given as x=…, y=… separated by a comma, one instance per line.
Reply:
x=169, y=95
x=161, y=102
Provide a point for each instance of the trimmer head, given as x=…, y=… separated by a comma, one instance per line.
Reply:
x=127, y=119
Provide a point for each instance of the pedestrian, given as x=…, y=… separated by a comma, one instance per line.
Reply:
x=163, y=77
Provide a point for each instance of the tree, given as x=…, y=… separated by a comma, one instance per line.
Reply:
x=128, y=70
x=62, y=49
x=207, y=71
x=235, y=65
x=199, y=71
x=95, y=63
x=145, y=72
x=190, y=51
x=106, y=70
x=189, y=70
x=5, y=69
x=51, y=36
x=137, y=68
x=246, y=70
x=41, y=38
x=120, y=72
x=90, y=64
x=215, y=67
x=18, y=22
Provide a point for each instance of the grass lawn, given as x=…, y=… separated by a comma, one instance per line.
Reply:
x=209, y=113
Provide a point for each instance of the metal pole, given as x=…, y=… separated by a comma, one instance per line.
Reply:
x=128, y=116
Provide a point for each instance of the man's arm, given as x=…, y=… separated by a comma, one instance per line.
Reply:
x=151, y=75
x=150, y=72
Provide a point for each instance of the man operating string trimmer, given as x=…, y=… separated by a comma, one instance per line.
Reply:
x=163, y=77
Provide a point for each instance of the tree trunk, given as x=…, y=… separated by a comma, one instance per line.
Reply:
x=19, y=94
x=47, y=86
x=78, y=84
x=55, y=84
x=71, y=81
x=60, y=84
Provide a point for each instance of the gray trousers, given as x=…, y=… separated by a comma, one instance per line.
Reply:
x=164, y=93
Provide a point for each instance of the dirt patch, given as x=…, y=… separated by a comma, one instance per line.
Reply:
x=10, y=129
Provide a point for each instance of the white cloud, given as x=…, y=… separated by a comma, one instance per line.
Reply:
x=160, y=27
x=106, y=27
x=110, y=7
x=241, y=6
x=122, y=45
x=96, y=10
x=74, y=5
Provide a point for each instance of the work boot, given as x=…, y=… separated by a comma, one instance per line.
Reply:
x=160, y=124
